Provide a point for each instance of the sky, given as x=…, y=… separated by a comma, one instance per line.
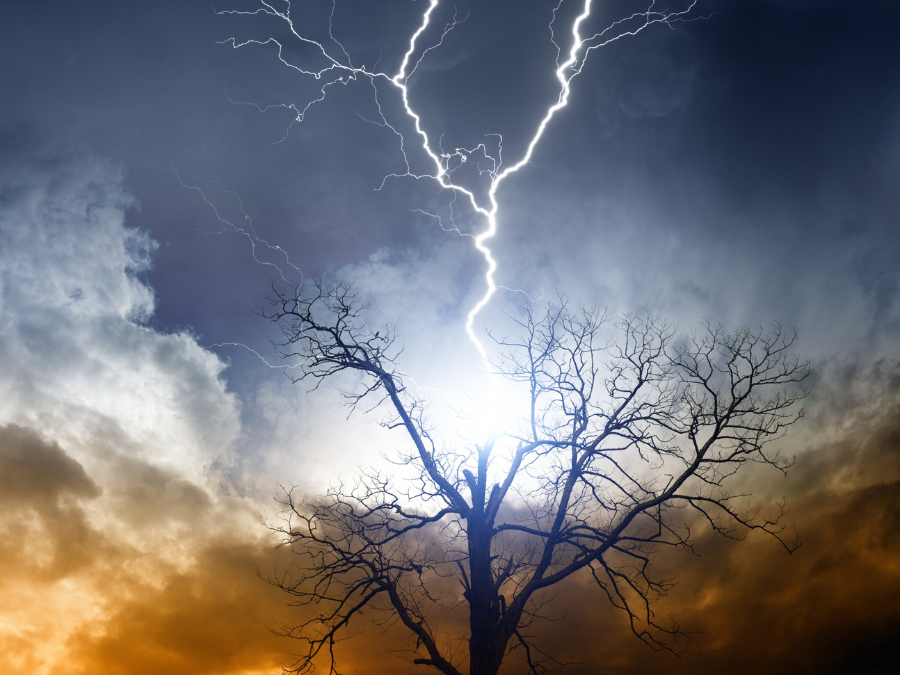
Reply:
x=742, y=165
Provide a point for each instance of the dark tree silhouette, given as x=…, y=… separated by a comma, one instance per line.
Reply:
x=629, y=429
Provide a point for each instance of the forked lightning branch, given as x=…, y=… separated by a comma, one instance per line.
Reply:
x=572, y=53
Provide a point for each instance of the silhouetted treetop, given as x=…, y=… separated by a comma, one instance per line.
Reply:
x=627, y=429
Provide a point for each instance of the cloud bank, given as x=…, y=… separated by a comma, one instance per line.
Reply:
x=119, y=537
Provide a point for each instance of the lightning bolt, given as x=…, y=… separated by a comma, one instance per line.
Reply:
x=247, y=230
x=340, y=69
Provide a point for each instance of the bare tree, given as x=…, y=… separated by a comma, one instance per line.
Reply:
x=629, y=429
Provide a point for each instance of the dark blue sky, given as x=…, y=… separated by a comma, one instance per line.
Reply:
x=764, y=113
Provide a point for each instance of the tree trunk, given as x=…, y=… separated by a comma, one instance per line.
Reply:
x=485, y=652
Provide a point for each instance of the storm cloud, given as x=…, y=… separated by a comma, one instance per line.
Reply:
x=742, y=166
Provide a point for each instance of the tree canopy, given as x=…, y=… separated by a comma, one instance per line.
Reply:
x=630, y=429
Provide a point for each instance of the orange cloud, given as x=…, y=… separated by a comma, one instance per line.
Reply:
x=147, y=573
x=81, y=599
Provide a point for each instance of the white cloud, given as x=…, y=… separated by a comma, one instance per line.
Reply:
x=79, y=362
